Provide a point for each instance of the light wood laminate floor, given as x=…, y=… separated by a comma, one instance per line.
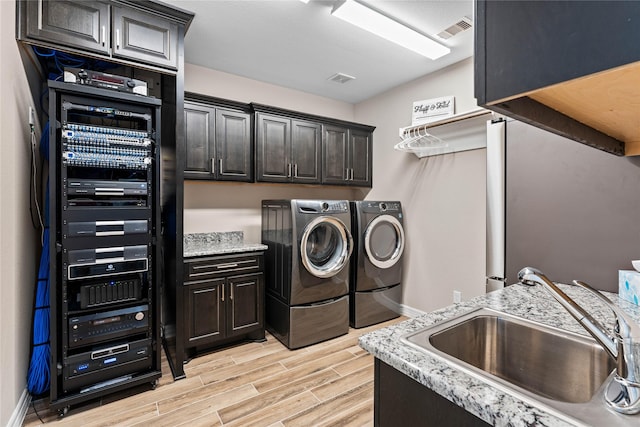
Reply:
x=251, y=384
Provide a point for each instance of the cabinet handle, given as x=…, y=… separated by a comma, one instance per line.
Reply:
x=351, y=174
x=104, y=35
x=220, y=165
x=231, y=292
x=222, y=293
x=118, y=38
x=289, y=172
x=295, y=170
x=231, y=265
x=213, y=165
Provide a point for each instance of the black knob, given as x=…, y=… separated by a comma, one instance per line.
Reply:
x=83, y=74
x=383, y=206
x=325, y=206
x=131, y=84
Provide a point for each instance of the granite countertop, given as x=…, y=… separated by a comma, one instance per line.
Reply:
x=218, y=243
x=490, y=403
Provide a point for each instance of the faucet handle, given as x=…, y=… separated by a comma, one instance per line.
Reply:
x=626, y=327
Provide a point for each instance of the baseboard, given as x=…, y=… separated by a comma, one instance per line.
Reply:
x=405, y=310
x=17, y=418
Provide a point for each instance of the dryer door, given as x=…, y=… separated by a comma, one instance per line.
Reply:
x=384, y=241
x=326, y=246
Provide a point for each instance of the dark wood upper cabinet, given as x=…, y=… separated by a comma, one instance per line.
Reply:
x=273, y=148
x=335, y=155
x=288, y=150
x=199, y=124
x=359, y=147
x=135, y=32
x=219, y=144
x=307, y=149
x=347, y=156
x=81, y=24
x=564, y=66
x=140, y=36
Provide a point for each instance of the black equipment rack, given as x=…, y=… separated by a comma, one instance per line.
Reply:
x=104, y=221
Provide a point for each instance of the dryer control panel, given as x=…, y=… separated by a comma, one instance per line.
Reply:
x=376, y=207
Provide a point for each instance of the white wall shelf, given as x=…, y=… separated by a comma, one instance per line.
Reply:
x=460, y=132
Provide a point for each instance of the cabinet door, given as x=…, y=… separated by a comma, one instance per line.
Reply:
x=204, y=312
x=360, y=158
x=245, y=303
x=334, y=155
x=199, y=124
x=81, y=24
x=233, y=146
x=273, y=142
x=144, y=37
x=305, y=151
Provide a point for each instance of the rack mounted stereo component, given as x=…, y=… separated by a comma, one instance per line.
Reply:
x=87, y=271
x=100, y=327
x=103, y=293
x=106, y=362
x=105, y=81
x=105, y=228
x=91, y=187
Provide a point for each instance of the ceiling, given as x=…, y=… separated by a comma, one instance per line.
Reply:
x=300, y=46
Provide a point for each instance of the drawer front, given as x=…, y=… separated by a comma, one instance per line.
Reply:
x=202, y=268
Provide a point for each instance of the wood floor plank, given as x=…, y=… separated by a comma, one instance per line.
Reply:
x=358, y=416
x=340, y=385
x=257, y=354
x=200, y=365
x=321, y=350
x=354, y=364
x=265, y=400
x=203, y=407
x=330, y=409
x=293, y=405
x=277, y=357
x=175, y=402
x=209, y=420
x=301, y=371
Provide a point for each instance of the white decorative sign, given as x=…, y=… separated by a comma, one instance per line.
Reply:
x=431, y=110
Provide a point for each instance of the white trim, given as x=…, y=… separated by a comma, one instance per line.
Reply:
x=405, y=310
x=17, y=418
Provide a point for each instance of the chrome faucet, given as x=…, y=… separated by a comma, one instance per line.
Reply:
x=623, y=390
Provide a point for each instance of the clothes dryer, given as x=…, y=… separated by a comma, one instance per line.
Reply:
x=307, y=269
x=375, y=290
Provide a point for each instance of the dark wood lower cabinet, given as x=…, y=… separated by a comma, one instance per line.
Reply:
x=224, y=301
x=401, y=401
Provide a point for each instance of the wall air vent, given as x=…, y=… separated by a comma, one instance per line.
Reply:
x=341, y=78
x=462, y=25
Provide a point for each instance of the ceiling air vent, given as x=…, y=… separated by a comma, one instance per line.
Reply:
x=341, y=78
x=462, y=25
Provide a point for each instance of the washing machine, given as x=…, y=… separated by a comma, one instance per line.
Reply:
x=375, y=290
x=307, y=269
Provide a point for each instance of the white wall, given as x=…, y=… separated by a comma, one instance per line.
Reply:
x=443, y=196
x=218, y=206
x=19, y=249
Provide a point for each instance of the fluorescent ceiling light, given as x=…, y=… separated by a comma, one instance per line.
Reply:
x=368, y=19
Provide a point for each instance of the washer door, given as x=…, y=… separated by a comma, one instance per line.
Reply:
x=326, y=246
x=384, y=241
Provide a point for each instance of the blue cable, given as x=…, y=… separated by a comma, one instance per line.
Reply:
x=38, y=377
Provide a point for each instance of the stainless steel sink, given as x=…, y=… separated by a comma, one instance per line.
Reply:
x=558, y=369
